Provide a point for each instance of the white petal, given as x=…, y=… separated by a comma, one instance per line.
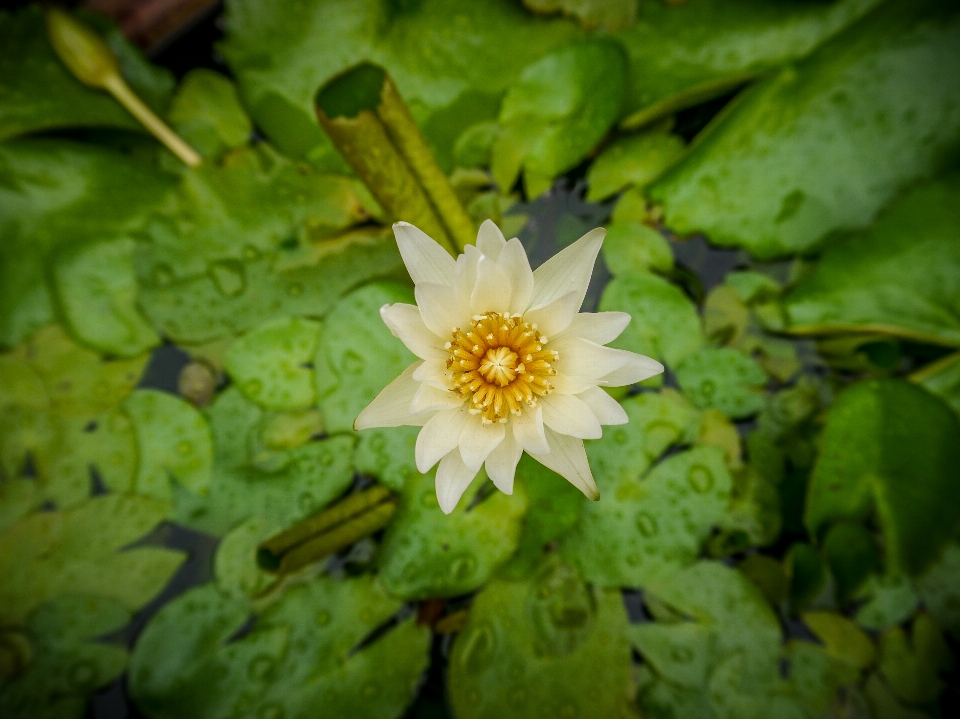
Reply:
x=599, y=327
x=528, y=430
x=568, y=459
x=502, y=463
x=563, y=384
x=439, y=436
x=492, y=291
x=478, y=440
x=453, y=478
x=516, y=266
x=435, y=373
x=391, y=408
x=466, y=277
x=636, y=368
x=606, y=409
x=553, y=318
x=406, y=323
x=566, y=414
x=490, y=240
x=426, y=261
x=584, y=359
x=439, y=309
x=567, y=271
x=429, y=398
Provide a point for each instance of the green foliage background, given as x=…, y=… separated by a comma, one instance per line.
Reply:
x=777, y=534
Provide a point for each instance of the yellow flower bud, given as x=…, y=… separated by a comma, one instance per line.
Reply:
x=82, y=50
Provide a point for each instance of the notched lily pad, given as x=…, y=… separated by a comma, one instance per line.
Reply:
x=724, y=379
x=633, y=248
x=206, y=113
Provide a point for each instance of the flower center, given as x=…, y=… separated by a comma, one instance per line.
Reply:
x=499, y=364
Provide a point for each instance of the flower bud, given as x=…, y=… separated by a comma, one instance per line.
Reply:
x=82, y=50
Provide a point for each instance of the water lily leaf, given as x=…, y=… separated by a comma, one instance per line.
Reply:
x=806, y=572
x=611, y=15
x=943, y=380
x=665, y=323
x=634, y=248
x=552, y=627
x=911, y=664
x=79, y=551
x=752, y=286
x=724, y=379
x=852, y=554
x=173, y=442
x=426, y=553
x=67, y=663
x=39, y=93
x=557, y=110
x=235, y=296
x=635, y=160
x=884, y=704
x=271, y=364
x=657, y=422
x=889, y=601
x=661, y=699
x=767, y=177
x=301, y=653
x=649, y=528
x=56, y=195
x=842, y=637
x=387, y=454
x=896, y=278
x=889, y=448
x=96, y=290
x=358, y=356
x=206, y=113
x=283, y=486
x=448, y=78
x=684, y=53
x=235, y=564
x=940, y=590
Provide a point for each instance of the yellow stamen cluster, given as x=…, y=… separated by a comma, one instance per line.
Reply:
x=499, y=364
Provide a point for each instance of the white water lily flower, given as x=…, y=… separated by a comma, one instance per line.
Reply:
x=507, y=365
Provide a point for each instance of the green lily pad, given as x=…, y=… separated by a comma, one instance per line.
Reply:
x=426, y=553
x=886, y=601
x=39, y=93
x=206, y=113
x=79, y=551
x=752, y=286
x=96, y=290
x=684, y=53
x=852, y=554
x=67, y=663
x=943, y=380
x=173, y=442
x=842, y=637
x=940, y=590
x=657, y=422
x=557, y=110
x=632, y=161
x=271, y=364
x=283, y=486
x=358, y=356
x=449, y=78
x=234, y=296
x=724, y=379
x=634, y=248
x=554, y=628
x=611, y=15
x=897, y=278
x=387, y=454
x=889, y=448
x=665, y=323
x=769, y=176
x=303, y=652
x=911, y=665
x=235, y=564
x=56, y=196
x=650, y=528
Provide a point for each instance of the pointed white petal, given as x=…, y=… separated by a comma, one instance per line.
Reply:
x=391, y=408
x=528, y=430
x=490, y=240
x=566, y=414
x=584, y=359
x=563, y=384
x=453, y=478
x=568, y=459
x=429, y=398
x=553, y=318
x=478, y=440
x=606, y=409
x=438, y=436
x=435, y=373
x=439, y=309
x=406, y=323
x=466, y=277
x=567, y=271
x=599, y=327
x=492, y=292
x=635, y=368
x=516, y=266
x=426, y=261
x=502, y=463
